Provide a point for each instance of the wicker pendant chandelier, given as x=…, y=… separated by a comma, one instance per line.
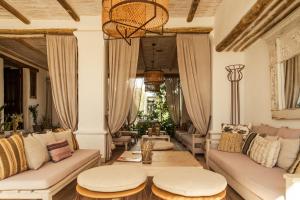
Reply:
x=133, y=18
x=153, y=77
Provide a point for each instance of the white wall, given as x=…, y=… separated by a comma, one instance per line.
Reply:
x=221, y=103
x=258, y=87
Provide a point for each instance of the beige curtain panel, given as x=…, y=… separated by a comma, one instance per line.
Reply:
x=193, y=52
x=173, y=98
x=123, y=59
x=136, y=101
x=62, y=62
x=292, y=81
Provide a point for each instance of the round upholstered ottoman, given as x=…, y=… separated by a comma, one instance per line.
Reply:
x=161, y=145
x=111, y=181
x=189, y=183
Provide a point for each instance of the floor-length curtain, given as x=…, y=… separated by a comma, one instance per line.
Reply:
x=136, y=101
x=122, y=60
x=26, y=97
x=193, y=52
x=292, y=81
x=173, y=98
x=62, y=63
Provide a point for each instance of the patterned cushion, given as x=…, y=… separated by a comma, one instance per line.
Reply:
x=230, y=142
x=65, y=135
x=59, y=150
x=248, y=143
x=241, y=129
x=265, y=152
x=12, y=156
x=295, y=168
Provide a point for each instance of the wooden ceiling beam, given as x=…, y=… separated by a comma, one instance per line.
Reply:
x=69, y=10
x=37, y=31
x=246, y=21
x=31, y=47
x=14, y=12
x=18, y=57
x=188, y=30
x=193, y=10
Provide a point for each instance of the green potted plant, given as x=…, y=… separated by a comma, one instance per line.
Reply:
x=34, y=113
x=16, y=119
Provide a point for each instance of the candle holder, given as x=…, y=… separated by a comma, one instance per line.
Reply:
x=147, y=148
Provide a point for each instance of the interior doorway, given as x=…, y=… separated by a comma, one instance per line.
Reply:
x=13, y=91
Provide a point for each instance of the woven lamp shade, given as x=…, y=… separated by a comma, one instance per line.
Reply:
x=145, y=14
x=113, y=29
x=153, y=77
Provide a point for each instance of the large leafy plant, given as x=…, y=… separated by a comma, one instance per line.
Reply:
x=34, y=112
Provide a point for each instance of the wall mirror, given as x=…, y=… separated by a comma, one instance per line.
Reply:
x=284, y=50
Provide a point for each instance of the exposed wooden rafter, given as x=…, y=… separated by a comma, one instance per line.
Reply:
x=36, y=31
x=14, y=12
x=69, y=9
x=267, y=27
x=188, y=30
x=252, y=15
x=29, y=46
x=193, y=10
x=15, y=56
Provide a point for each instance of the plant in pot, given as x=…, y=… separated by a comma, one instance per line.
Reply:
x=15, y=120
x=34, y=112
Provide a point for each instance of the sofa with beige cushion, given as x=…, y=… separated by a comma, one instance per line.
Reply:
x=50, y=178
x=250, y=179
x=191, y=139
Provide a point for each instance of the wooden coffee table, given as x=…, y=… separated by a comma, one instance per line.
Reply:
x=156, y=137
x=162, y=160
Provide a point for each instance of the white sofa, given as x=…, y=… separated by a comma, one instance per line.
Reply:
x=194, y=142
x=251, y=180
x=45, y=182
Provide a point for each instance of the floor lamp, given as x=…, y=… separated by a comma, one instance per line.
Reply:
x=234, y=76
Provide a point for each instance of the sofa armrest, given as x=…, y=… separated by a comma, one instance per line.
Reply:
x=292, y=190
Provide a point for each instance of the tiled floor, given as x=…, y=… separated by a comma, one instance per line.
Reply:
x=69, y=192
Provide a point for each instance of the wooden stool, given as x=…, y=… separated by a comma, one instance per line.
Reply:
x=82, y=192
x=170, y=196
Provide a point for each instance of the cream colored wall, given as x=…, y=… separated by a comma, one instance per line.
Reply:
x=221, y=96
x=258, y=88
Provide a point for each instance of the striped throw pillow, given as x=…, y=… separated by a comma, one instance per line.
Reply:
x=12, y=156
x=59, y=150
x=231, y=142
x=264, y=151
x=248, y=143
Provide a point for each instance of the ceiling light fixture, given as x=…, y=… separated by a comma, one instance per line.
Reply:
x=133, y=18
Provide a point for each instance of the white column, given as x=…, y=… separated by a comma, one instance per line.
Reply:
x=2, y=84
x=91, y=90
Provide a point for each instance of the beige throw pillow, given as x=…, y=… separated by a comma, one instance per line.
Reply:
x=36, y=153
x=45, y=139
x=231, y=142
x=288, y=152
x=264, y=151
x=65, y=135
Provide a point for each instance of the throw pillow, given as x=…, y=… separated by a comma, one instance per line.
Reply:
x=230, y=142
x=248, y=143
x=265, y=152
x=288, y=152
x=59, y=150
x=65, y=135
x=45, y=139
x=295, y=167
x=244, y=130
x=265, y=129
x=36, y=153
x=12, y=156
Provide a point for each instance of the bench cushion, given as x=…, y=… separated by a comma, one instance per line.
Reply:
x=49, y=174
x=267, y=183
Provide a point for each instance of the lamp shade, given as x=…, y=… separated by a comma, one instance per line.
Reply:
x=153, y=77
